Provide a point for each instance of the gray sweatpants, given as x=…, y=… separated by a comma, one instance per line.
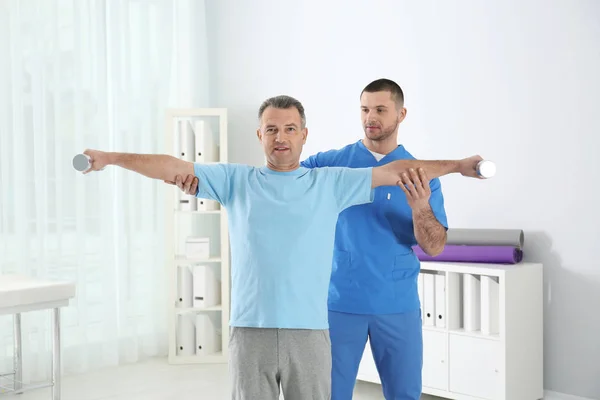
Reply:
x=260, y=359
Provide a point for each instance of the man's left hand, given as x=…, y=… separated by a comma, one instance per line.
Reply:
x=415, y=186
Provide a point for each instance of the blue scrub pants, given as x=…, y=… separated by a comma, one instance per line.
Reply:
x=397, y=347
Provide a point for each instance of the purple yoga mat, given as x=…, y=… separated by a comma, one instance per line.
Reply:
x=475, y=254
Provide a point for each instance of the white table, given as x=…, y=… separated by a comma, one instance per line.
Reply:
x=19, y=294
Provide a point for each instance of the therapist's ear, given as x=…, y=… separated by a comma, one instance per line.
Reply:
x=402, y=114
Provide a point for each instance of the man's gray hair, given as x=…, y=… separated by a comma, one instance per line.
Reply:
x=282, y=102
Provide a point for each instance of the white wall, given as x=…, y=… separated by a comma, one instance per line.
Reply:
x=515, y=81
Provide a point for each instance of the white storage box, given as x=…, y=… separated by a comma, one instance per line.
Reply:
x=197, y=247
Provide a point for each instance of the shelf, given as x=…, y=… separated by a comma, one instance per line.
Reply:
x=215, y=212
x=197, y=135
x=477, y=334
x=183, y=260
x=207, y=359
x=185, y=310
x=434, y=328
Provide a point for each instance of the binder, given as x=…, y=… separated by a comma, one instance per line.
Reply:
x=440, y=300
x=207, y=291
x=420, y=290
x=186, y=334
x=186, y=153
x=490, y=303
x=429, y=299
x=184, y=286
x=206, y=151
x=454, y=300
x=471, y=302
x=208, y=339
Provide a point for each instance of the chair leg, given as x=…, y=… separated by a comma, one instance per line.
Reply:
x=18, y=355
x=56, y=372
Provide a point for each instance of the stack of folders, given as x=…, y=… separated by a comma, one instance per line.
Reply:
x=472, y=300
x=199, y=289
x=198, y=334
x=460, y=301
x=195, y=142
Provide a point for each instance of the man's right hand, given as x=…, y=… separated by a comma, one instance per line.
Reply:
x=468, y=166
x=98, y=160
x=188, y=186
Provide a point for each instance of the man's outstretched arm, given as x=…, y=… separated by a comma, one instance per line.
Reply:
x=392, y=173
x=155, y=166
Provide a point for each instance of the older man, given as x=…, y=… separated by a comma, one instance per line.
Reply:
x=282, y=219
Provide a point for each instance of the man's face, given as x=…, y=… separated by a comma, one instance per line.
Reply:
x=282, y=136
x=379, y=114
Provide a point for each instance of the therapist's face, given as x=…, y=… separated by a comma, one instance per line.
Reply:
x=282, y=136
x=380, y=115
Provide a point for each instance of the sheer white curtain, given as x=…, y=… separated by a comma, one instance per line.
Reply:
x=78, y=74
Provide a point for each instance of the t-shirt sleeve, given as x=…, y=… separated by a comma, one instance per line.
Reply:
x=322, y=159
x=353, y=186
x=310, y=162
x=214, y=181
x=436, y=201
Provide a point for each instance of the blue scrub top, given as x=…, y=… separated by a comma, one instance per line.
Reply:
x=375, y=270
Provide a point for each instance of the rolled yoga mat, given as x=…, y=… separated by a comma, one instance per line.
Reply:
x=486, y=237
x=475, y=254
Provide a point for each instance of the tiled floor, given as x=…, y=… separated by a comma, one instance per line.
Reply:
x=156, y=380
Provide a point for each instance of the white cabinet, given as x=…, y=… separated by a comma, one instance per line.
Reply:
x=367, y=365
x=475, y=367
x=490, y=346
x=197, y=244
x=435, y=364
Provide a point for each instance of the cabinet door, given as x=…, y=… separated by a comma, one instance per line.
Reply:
x=367, y=370
x=475, y=367
x=435, y=366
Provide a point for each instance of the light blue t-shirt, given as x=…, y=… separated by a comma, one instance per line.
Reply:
x=282, y=230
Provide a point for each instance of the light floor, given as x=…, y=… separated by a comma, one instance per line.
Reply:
x=156, y=380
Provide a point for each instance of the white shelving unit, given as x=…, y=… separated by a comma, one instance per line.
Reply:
x=198, y=283
x=482, y=331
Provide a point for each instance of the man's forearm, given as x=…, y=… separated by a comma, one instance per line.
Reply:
x=433, y=169
x=390, y=173
x=430, y=234
x=156, y=166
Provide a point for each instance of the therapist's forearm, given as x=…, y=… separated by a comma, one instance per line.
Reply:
x=156, y=166
x=430, y=234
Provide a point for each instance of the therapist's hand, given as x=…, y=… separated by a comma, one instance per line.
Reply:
x=188, y=186
x=415, y=186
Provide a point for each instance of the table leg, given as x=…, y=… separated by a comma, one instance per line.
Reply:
x=18, y=355
x=56, y=372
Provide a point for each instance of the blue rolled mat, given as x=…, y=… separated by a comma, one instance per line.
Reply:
x=475, y=254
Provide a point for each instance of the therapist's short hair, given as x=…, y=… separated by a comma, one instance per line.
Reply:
x=282, y=102
x=386, y=85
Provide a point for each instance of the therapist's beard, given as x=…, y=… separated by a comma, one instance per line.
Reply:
x=384, y=134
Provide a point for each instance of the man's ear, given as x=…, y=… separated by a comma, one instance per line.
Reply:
x=304, y=135
x=259, y=135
